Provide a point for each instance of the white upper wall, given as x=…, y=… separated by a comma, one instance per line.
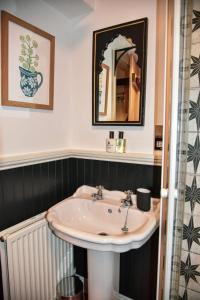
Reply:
x=24, y=130
x=107, y=13
x=69, y=125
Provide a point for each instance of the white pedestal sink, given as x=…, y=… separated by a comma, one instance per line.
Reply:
x=96, y=226
x=103, y=268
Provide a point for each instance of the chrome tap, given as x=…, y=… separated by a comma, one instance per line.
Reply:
x=99, y=194
x=127, y=202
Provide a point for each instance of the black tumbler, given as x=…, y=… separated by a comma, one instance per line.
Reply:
x=143, y=199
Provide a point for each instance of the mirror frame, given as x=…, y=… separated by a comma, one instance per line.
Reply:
x=136, y=30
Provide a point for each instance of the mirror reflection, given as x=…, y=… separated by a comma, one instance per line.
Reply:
x=119, y=75
x=127, y=82
x=119, y=100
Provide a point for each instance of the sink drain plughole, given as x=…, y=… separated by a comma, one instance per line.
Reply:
x=103, y=233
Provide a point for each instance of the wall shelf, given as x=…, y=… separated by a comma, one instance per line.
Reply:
x=14, y=161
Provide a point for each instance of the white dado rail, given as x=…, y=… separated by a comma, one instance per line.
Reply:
x=14, y=161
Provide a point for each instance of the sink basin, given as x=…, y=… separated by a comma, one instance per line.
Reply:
x=97, y=226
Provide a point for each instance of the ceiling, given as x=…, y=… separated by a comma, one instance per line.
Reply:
x=72, y=8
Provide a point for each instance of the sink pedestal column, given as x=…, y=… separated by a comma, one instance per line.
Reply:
x=103, y=274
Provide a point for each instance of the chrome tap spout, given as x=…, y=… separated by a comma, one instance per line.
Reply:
x=99, y=194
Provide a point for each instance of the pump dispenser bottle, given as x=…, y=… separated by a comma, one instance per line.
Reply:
x=121, y=143
x=111, y=142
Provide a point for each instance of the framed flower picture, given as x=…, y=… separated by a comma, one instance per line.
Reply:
x=27, y=62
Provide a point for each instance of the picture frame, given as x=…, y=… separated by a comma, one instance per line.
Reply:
x=27, y=64
x=103, y=93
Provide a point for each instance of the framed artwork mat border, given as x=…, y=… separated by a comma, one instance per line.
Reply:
x=5, y=19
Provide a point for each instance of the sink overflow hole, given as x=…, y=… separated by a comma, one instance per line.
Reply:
x=102, y=233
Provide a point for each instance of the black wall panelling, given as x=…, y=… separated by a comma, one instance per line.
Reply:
x=115, y=175
x=27, y=191
x=138, y=271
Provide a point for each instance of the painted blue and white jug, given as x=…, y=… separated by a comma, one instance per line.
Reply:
x=30, y=82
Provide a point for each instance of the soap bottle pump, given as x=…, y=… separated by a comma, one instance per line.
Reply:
x=111, y=142
x=121, y=143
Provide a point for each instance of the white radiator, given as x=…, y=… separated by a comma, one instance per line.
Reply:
x=33, y=260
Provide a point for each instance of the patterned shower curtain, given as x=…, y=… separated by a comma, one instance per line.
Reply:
x=185, y=279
